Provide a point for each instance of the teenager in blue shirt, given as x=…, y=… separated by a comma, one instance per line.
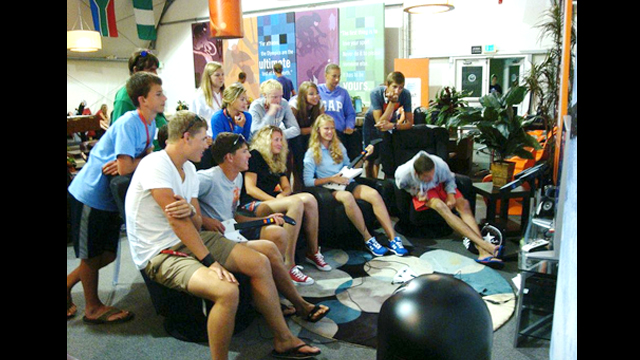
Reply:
x=233, y=117
x=337, y=104
x=323, y=162
x=95, y=219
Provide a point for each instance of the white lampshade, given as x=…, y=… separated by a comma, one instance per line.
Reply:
x=84, y=40
x=427, y=6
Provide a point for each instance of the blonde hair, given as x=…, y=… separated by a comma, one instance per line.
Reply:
x=261, y=141
x=269, y=86
x=205, y=81
x=231, y=94
x=183, y=121
x=334, y=145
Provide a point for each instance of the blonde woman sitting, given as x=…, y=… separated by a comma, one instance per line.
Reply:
x=323, y=162
x=268, y=191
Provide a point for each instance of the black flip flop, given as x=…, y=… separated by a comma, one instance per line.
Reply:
x=313, y=312
x=294, y=353
x=104, y=318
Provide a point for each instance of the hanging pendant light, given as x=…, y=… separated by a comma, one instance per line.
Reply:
x=225, y=18
x=427, y=6
x=83, y=40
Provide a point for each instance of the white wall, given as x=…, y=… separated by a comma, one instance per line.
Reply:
x=96, y=82
x=511, y=26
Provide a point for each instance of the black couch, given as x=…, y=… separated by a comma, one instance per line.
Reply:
x=405, y=144
x=335, y=230
x=184, y=318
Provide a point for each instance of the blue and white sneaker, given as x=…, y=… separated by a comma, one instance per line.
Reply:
x=397, y=247
x=375, y=248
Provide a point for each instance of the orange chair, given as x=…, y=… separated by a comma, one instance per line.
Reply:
x=515, y=205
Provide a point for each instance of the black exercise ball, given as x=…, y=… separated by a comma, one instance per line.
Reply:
x=435, y=317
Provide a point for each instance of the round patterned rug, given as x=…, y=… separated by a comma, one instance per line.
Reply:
x=359, y=284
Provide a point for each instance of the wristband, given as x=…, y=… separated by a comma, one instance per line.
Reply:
x=207, y=260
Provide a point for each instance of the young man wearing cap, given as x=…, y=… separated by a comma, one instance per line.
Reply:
x=163, y=223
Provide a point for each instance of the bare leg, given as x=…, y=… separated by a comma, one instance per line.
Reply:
x=484, y=248
x=353, y=212
x=88, y=274
x=282, y=279
x=265, y=295
x=205, y=283
x=293, y=207
x=464, y=209
x=372, y=196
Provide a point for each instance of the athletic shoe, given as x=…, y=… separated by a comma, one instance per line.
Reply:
x=492, y=235
x=298, y=277
x=397, y=247
x=318, y=260
x=375, y=248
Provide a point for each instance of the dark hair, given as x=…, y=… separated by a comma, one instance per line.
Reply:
x=423, y=164
x=226, y=143
x=395, y=77
x=139, y=84
x=142, y=59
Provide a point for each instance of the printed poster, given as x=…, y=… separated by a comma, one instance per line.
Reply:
x=316, y=43
x=205, y=49
x=362, y=49
x=241, y=55
x=277, y=43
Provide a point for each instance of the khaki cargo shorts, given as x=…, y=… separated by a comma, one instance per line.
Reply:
x=175, y=271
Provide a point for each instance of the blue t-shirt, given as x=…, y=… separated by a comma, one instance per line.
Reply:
x=127, y=136
x=220, y=122
x=325, y=169
x=287, y=86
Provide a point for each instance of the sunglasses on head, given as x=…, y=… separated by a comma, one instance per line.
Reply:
x=193, y=122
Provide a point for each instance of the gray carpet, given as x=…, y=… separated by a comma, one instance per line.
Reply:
x=144, y=337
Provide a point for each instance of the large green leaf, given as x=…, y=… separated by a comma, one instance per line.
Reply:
x=515, y=95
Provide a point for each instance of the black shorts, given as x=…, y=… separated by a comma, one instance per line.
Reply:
x=93, y=231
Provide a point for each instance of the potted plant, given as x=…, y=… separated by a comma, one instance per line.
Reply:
x=501, y=130
x=446, y=106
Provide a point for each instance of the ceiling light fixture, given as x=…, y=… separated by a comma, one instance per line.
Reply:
x=83, y=40
x=225, y=19
x=427, y=7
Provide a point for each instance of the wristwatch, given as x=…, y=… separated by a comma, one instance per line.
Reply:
x=193, y=210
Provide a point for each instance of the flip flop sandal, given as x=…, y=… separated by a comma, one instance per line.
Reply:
x=491, y=262
x=294, y=353
x=311, y=315
x=104, y=318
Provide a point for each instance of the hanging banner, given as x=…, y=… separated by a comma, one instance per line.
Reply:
x=316, y=43
x=362, y=49
x=277, y=43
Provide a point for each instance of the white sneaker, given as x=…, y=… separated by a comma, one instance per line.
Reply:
x=298, y=277
x=318, y=260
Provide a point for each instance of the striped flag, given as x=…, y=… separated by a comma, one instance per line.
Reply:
x=145, y=20
x=104, y=17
